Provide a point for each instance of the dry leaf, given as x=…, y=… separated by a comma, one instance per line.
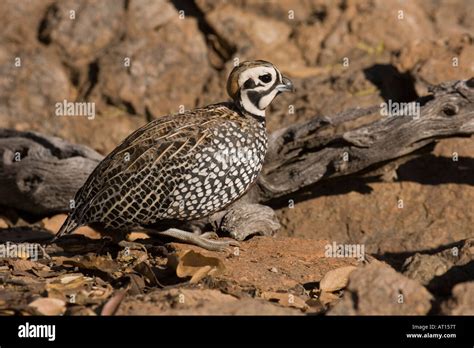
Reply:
x=132, y=254
x=71, y=277
x=49, y=306
x=97, y=263
x=67, y=285
x=336, y=279
x=22, y=265
x=145, y=270
x=78, y=289
x=189, y=263
x=285, y=299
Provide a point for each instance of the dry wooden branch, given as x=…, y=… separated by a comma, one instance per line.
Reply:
x=51, y=170
x=40, y=174
x=304, y=154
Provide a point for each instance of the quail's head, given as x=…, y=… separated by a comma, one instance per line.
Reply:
x=254, y=84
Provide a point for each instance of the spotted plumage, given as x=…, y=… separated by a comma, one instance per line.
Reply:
x=184, y=166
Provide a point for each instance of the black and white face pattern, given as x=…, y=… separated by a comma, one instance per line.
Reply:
x=259, y=86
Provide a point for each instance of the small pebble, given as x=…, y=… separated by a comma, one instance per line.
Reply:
x=274, y=270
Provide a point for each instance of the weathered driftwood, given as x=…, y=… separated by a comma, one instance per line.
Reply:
x=300, y=156
x=40, y=174
x=304, y=154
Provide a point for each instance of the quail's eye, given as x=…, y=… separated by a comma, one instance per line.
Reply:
x=265, y=78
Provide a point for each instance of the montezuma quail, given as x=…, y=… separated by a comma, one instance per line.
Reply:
x=185, y=166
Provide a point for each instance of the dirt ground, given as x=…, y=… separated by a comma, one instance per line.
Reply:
x=340, y=54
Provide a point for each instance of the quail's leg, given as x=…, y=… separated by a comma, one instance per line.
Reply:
x=202, y=241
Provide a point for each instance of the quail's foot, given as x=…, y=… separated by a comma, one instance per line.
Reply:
x=203, y=241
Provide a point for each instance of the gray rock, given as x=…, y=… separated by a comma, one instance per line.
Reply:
x=378, y=289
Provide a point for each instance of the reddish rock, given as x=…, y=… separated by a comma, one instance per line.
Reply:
x=82, y=29
x=256, y=36
x=432, y=62
x=156, y=74
x=462, y=302
x=21, y=19
x=32, y=81
x=144, y=16
x=377, y=289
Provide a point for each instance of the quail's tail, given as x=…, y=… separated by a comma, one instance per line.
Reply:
x=68, y=226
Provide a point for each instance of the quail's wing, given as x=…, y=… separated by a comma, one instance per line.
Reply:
x=166, y=139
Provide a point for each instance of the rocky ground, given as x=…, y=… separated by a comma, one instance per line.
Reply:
x=139, y=59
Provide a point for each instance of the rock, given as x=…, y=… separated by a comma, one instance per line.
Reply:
x=82, y=29
x=462, y=301
x=452, y=17
x=314, y=29
x=157, y=74
x=443, y=285
x=323, y=94
x=336, y=279
x=435, y=61
x=378, y=289
x=424, y=268
x=255, y=36
x=328, y=298
x=49, y=306
x=367, y=25
x=32, y=81
x=246, y=29
x=434, y=213
x=302, y=11
x=440, y=272
x=309, y=39
x=31, y=91
x=21, y=19
x=285, y=299
x=144, y=16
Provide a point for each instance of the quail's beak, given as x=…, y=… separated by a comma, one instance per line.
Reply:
x=286, y=85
